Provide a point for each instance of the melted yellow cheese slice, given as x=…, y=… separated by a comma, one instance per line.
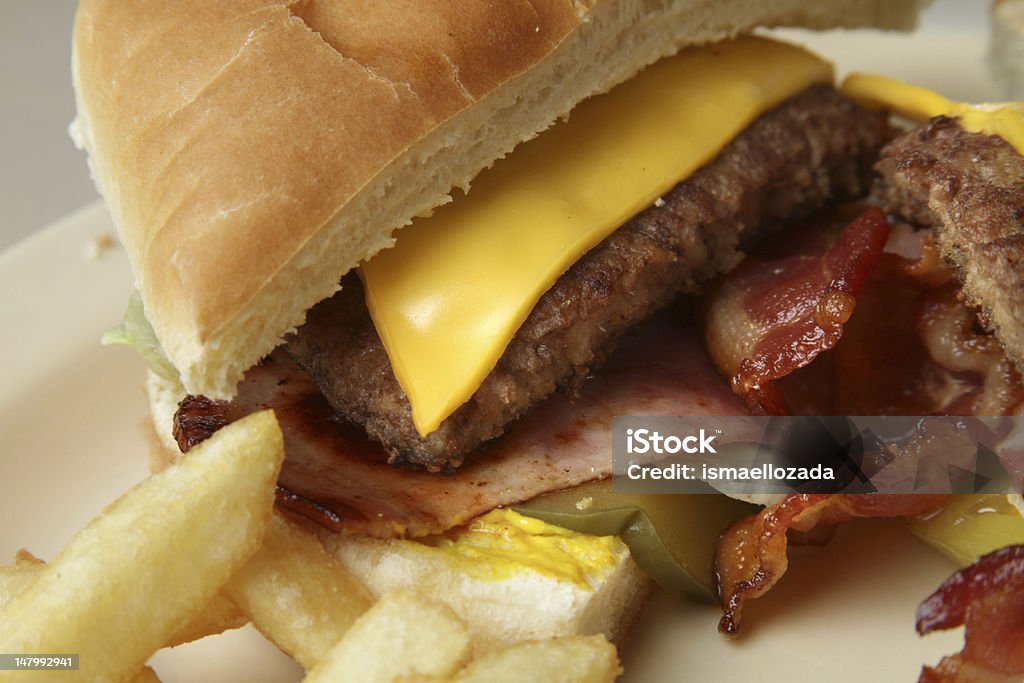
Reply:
x=450, y=295
x=1005, y=119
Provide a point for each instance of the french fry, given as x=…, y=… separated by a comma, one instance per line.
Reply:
x=149, y=563
x=147, y=675
x=296, y=594
x=14, y=578
x=404, y=636
x=572, y=659
x=218, y=616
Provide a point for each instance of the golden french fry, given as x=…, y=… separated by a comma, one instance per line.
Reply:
x=572, y=659
x=149, y=563
x=218, y=616
x=25, y=558
x=404, y=636
x=147, y=675
x=296, y=594
x=14, y=578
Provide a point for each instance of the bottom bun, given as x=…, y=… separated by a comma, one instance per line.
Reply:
x=502, y=601
x=515, y=604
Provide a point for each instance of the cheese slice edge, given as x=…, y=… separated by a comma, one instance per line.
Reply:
x=1005, y=119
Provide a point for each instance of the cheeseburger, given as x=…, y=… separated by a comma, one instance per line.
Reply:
x=443, y=242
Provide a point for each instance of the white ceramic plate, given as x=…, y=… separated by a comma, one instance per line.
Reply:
x=71, y=441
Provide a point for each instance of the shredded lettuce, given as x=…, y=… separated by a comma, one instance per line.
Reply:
x=135, y=331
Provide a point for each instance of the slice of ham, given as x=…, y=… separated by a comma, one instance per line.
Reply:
x=751, y=557
x=988, y=599
x=335, y=476
x=777, y=312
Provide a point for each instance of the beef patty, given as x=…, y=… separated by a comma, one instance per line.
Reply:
x=814, y=147
x=969, y=187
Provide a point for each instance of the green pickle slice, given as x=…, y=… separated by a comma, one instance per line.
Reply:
x=671, y=537
x=969, y=526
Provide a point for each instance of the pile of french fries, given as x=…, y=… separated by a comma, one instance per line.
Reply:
x=198, y=548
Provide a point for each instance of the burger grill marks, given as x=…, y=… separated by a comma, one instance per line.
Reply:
x=815, y=146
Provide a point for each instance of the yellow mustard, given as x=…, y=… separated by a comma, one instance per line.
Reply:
x=450, y=295
x=502, y=543
x=1005, y=119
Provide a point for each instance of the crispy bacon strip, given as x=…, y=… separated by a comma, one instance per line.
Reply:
x=912, y=347
x=333, y=474
x=750, y=556
x=923, y=346
x=778, y=312
x=987, y=598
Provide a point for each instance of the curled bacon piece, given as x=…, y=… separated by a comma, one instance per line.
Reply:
x=750, y=556
x=777, y=312
x=987, y=598
x=912, y=347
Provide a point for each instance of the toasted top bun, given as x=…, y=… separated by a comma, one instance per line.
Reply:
x=252, y=152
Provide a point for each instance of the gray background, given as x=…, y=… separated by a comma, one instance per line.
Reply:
x=42, y=175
